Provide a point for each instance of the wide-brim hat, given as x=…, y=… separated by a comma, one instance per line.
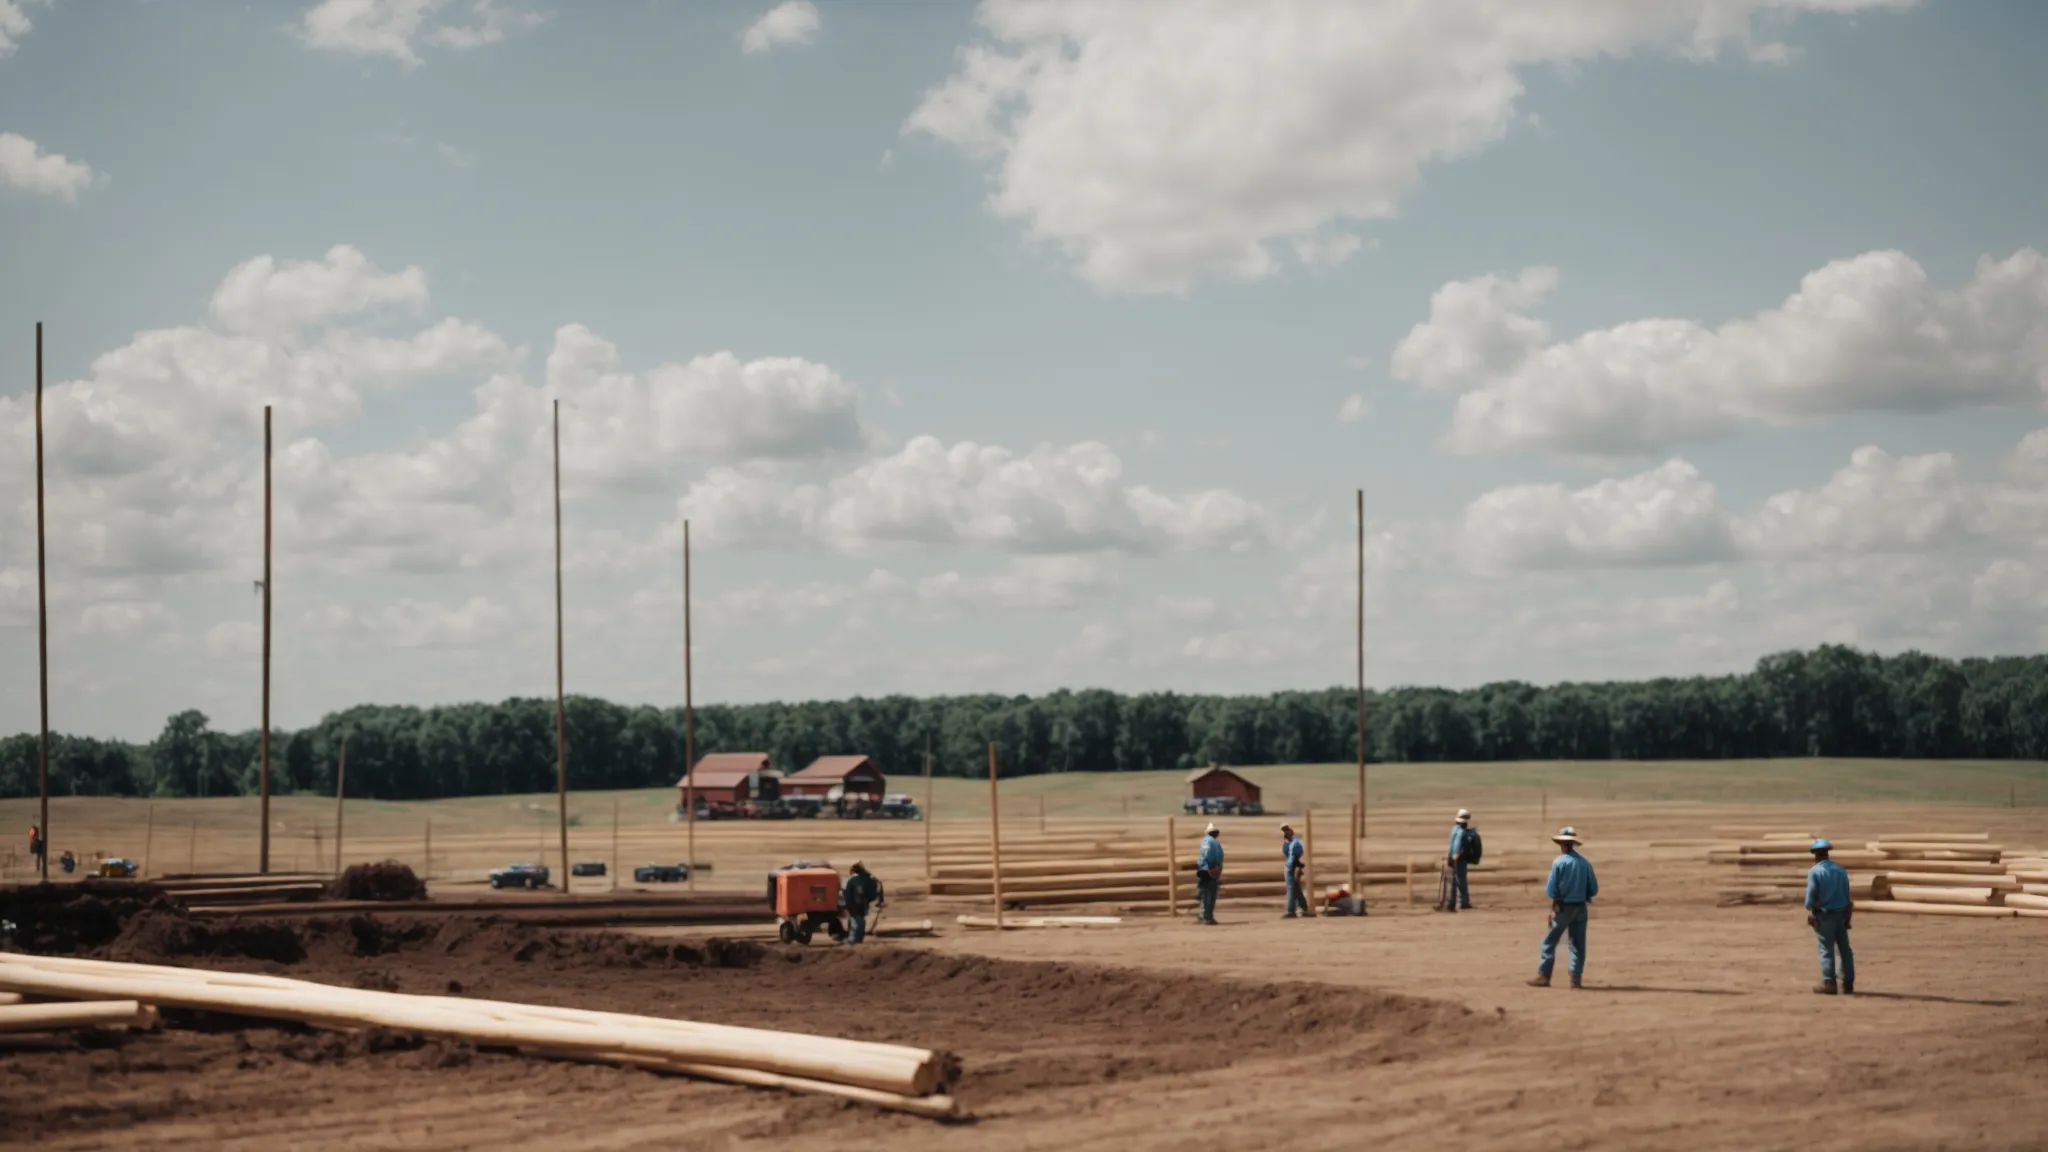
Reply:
x=1209, y=829
x=1464, y=816
x=1821, y=846
x=1287, y=827
x=1567, y=836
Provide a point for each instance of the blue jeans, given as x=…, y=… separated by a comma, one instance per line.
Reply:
x=857, y=925
x=1297, y=902
x=1459, y=887
x=1569, y=920
x=1832, y=931
x=1205, y=892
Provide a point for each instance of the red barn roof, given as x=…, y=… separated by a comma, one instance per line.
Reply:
x=831, y=768
x=726, y=769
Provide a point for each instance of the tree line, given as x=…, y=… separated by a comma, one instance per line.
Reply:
x=1832, y=701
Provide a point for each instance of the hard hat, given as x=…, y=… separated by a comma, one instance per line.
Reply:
x=1565, y=835
x=1821, y=846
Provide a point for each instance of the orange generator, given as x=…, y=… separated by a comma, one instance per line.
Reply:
x=807, y=899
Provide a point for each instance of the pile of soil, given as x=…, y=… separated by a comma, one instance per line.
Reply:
x=71, y=918
x=388, y=880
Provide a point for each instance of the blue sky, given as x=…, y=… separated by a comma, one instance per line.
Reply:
x=1156, y=281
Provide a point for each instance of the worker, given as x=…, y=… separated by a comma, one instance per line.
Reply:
x=1291, y=852
x=860, y=892
x=1456, y=859
x=36, y=846
x=1571, y=887
x=68, y=862
x=1828, y=909
x=1209, y=874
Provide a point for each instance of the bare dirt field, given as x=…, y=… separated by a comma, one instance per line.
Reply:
x=1405, y=1029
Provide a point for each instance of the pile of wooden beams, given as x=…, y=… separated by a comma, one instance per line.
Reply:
x=23, y=1023
x=1771, y=866
x=236, y=892
x=890, y=1076
x=1927, y=873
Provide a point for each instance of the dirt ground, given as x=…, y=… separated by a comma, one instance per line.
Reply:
x=1405, y=1029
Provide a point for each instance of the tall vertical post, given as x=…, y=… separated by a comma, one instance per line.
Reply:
x=1353, y=838
x=263, y=853
x=1361, y=663
x=689, y=723
x=1308, y=858
x=995, y=835
x=561, y=711
x=148, y=835
x=427, y=864
x=1172, y=872
x=340, y=790
x=614, y=869
x=927, y=811
x=42, y=632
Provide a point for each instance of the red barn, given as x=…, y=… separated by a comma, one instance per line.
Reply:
x=851, y=774
x=1216, y=781
x=730, y=777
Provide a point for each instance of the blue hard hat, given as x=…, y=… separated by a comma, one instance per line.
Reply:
x=1821, y=846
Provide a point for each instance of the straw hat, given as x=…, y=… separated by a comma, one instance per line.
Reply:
x=1566, y=836
x=1287, y=827
x=1210, y=828
x=1464, y=816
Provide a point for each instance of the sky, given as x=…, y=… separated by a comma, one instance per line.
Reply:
x=1011, y=346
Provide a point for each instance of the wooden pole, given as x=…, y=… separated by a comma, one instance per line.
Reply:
x=42, y=633
x=427, y=868
x=995, y=834
x=1411, y=879
x=1172, y=872
x=1308, y=858
x=1041, y=815
x=927, y=810
x=1361, y=663
x=263, y=852
x=614, y=869
x=192, y=849
x=1352, y=886
x=689, y=724
x=340, y=790
x=148, y=835
x=561, y=710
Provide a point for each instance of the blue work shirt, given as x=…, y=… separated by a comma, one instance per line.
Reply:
x=1210, y=857
x=1290, y=853
x=1827, y=888
x=1458, y=832
x=1571, y=879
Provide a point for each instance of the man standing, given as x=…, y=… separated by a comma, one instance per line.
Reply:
x=1828, y=909
x=1208, y=874
x=860, y=892
x=1291, y=851
x=36, y=848
x=1571, y=886
x=1456, y=859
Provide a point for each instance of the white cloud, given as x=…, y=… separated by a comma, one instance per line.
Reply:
x=396, y=28
x=793, y=22
x=262, y=296
x=24, y=165
x=1353, y=409
x=14, y=25
x=1049, y=500
x=1866, y=334
x=1668, y=515
x=1152, y=174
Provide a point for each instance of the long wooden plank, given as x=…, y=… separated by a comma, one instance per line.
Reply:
x=1902, y=907
x=1916, y=894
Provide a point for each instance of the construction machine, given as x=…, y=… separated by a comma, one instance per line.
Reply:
x=805, y=897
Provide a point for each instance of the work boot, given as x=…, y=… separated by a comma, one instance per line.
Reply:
x=1576, y=984
x=1848, y=987
x=1540, y=982
x=1824, y=988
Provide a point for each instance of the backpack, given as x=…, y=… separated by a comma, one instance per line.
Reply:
x=1473, y=847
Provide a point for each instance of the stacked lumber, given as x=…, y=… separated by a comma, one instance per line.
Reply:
x=895, y=1077
x=234, y=890
x=1954, y=874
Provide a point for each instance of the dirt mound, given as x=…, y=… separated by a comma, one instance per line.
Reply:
x=158, y=937
x=389, y=880
x=53, y=918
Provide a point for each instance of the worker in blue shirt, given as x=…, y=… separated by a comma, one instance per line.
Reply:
x=861, y=892
x=1208, y=874
x=1461, y=889
x=1828, y=909
x=1571, y=887
x=1291, y=863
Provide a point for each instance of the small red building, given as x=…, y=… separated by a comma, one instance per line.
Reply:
x=730, y=777
x=1215, y=781
x=853, y=775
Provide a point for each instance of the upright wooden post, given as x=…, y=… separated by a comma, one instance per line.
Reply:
x=263, y=854
x=1172, y=871
x=192, y=849
x=561, y=712
x=1411, y=879
x=340, y=790
x=1041, y=814
x=689, y=725
x=1361, y=663
x=1543, y=820
x=614, y=869
x=427, y=868
x=148, y=834
x=1352, y=887
x=995, y=835
x=42, y=633
x=1308, y=858
x=927, y=811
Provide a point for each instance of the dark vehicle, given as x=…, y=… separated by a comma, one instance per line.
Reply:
x=117, y=867
x=661, y=873
x=587, y=868
x=1251, y=808
x=520, y=876
x=803, y=807
x=1213, y=806
x=899, y=806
